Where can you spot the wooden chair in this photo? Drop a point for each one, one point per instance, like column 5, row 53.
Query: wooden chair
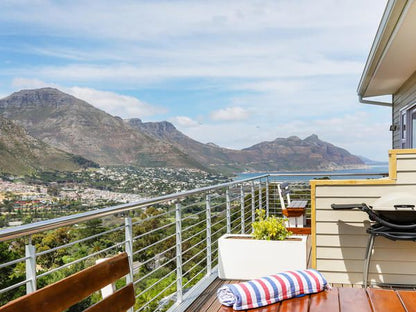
column 294, row 210
column 63, row 294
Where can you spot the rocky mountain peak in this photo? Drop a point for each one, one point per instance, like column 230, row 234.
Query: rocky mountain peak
column 312, row 139
column 294, row 138
column 213, row 145
column 159, row 129
column 37, row 98
column 134, row 121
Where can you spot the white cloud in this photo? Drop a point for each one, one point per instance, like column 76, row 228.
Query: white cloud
column 110, row 102
column 123, row 105
column 144, row 20
column 184, row 121
column 144, row 42
column 291, row 66
column 23, row 83
column 275, row 86
column 230, row 113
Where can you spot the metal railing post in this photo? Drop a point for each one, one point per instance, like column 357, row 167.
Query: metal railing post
column 242, row 209
column 129, row 250
column 30, row 252
column 228, row 208
column 253, row 203
column 267, row 196
column 129, row 246
column 179, row 292
column 260, row 197
column 209, row 251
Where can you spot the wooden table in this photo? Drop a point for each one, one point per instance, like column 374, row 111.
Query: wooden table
column 334, row 300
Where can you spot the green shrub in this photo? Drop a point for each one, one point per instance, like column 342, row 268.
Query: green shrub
column 271, row 228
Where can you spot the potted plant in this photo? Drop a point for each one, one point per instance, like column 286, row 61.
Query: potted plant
column 270, row 249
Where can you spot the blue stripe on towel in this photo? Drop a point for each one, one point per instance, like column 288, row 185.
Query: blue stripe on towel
column 256, row 291
column 276, row 291
column 295, row 283
column 236, row 293
column 307, row 279
column 292, row 284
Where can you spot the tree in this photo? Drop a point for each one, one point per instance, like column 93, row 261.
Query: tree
column 8, row 275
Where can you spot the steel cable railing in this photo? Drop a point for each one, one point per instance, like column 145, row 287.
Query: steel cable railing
column 171, row 246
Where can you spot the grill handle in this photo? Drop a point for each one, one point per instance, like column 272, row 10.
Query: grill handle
column 404, row 206
column 347, row 206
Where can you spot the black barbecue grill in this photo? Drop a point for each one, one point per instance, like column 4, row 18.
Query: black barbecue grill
column 393, row 217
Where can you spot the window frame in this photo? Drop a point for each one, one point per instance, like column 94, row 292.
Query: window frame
column 406, row 126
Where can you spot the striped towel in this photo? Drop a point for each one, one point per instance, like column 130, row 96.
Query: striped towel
column 271, row 289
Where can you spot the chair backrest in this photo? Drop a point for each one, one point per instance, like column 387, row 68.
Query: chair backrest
column 284, row 191
column 63, row 294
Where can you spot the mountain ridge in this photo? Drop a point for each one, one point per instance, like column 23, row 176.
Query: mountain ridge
column 77, row 127
column 312, row 152
column 21, row 153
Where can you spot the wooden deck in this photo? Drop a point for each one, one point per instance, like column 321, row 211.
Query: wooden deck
column 334, row 300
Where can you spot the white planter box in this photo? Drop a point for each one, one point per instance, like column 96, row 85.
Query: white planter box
column 246, row 258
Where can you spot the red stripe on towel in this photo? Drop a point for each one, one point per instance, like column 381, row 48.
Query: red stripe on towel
column 300, row 282
column 318, row 284
column 248, row 295
column 283, row 284
column 266, row 290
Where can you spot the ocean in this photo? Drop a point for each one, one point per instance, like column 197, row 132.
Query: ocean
column 367, row 173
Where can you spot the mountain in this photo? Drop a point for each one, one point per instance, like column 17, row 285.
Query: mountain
column 281, row 154
column 294, row 153
column 207, row 154
column 77, row 127
column 21, row 153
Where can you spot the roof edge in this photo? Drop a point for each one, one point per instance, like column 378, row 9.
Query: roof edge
column 384, row 34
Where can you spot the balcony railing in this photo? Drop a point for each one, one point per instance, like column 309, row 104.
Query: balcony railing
column 172, row 241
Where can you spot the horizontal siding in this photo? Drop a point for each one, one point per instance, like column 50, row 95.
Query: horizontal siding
column 380, row 254
column 360, row 241
column 341, row 236
column 406, row 168
column 376, row 267
column 324, row 203
column 357, row 278
column 343, row 254
column 406, row 164
column 371, row 191
column 344, row 215
column 406, row 177
column 406, row 95
column 340, row 228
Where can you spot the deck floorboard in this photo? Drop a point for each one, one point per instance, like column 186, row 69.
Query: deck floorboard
column 348, row 298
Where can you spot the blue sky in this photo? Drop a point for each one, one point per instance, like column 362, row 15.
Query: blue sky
column 230, row 72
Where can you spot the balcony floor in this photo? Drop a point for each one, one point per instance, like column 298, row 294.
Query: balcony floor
column 336, row 300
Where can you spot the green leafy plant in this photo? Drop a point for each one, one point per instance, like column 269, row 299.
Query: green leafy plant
column 270, row 228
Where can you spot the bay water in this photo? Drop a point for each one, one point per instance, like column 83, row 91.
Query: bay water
column 370, row 172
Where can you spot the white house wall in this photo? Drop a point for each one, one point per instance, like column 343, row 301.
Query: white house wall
column 340, row 237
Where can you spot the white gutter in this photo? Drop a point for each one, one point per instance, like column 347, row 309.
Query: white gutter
column 379, row 103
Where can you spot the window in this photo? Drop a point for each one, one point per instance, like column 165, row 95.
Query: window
column 408, row 127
